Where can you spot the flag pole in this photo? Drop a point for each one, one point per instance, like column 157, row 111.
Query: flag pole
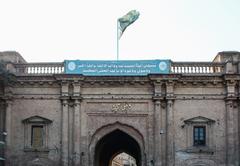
column 117, row 40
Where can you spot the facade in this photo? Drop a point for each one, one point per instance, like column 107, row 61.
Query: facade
column 189, row 117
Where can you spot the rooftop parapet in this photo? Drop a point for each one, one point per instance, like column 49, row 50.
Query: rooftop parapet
column 227, row 62
column 202, row 68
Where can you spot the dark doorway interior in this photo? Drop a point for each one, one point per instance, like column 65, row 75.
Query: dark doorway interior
column 114, row 143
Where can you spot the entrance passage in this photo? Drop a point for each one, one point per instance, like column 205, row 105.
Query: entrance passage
column 123, row 159
column 113, row 144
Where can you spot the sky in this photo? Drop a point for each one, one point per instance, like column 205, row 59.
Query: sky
column 180, row 30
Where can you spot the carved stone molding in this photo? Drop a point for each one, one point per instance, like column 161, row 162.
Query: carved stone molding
column 157, row 102
column 77, row 102
column 121, row 107
column 64, row 102
column 116, row 108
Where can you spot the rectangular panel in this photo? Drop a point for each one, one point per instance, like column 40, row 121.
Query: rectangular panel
column 117, row 68
column 117, row 107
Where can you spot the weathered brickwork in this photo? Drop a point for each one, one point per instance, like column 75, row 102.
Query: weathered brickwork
column 86, row 121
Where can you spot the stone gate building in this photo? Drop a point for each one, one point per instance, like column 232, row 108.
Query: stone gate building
column 188, row 117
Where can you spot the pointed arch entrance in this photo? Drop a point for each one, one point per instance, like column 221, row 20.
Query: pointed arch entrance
column 111, row 140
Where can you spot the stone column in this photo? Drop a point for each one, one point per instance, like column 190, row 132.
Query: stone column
column 163, row 134
column 231, row 123
column 8, row 125
column 77, row 132
column 157, row 131
column 159, row 126
column 231, row 135
column 170, row 133
column 65, row 148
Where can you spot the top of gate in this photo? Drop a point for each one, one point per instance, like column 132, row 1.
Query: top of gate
column 224, row 62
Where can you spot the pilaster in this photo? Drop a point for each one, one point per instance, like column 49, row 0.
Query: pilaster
column 232, row 147
column 8, row 124
column 77, row 132
column 170, row 132
column 157, row 132
column 231, row 134
column 159, row 140
column 65, row 128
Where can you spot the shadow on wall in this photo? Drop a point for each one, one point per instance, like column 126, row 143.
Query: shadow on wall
column 27, row 160
column 40, row 162
column 198, row 162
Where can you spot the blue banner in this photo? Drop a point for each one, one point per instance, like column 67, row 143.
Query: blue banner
column 117, row 68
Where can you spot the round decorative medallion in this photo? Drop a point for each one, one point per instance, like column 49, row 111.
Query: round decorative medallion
column 162, row 66
column 71, row 66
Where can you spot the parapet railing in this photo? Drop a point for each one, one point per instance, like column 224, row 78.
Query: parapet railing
column 39, row 68
column 197, row 68
column 175, row 68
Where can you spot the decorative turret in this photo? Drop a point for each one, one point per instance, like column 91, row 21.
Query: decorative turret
column 225, row 56
column 11, row 56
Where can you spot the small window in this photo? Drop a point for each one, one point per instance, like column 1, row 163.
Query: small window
column 37, row 137
column 199, row 135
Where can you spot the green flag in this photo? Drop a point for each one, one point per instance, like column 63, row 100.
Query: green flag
column 127, row 20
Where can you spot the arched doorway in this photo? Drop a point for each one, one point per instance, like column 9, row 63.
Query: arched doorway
column 115, row 143
column 113, row 139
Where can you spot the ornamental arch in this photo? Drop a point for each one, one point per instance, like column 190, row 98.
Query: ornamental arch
column 129, row 140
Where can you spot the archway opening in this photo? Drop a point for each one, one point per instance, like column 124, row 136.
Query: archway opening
column 123, row 159
column 113, row 144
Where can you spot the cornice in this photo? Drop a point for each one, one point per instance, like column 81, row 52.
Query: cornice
column 158, row 97
column 200, row 81
column 231, row 98
column 36, row 83
column 129, row 79
column 232, row 77
column 69, row 77
column 115, row 81
column 164, row 77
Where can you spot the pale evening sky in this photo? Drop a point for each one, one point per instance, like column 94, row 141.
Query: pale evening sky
column 180, row 30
